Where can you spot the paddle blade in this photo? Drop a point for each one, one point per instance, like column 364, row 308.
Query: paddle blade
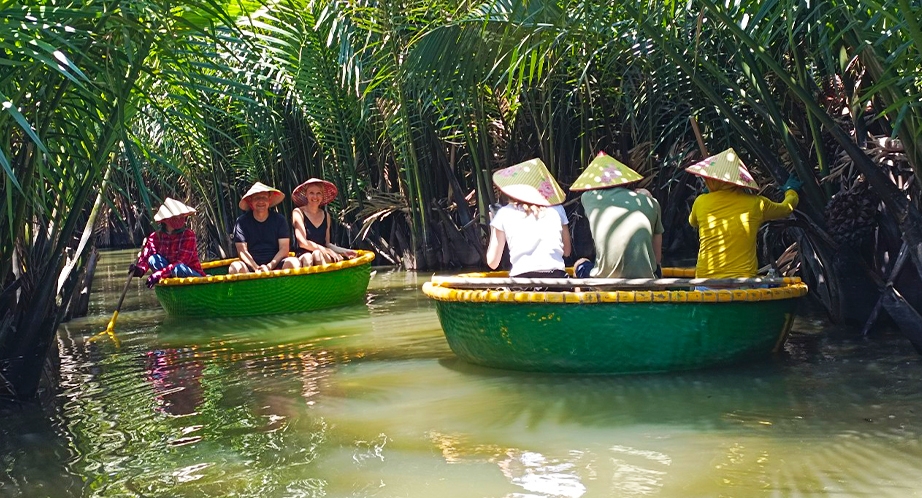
column 111, row 326
column 109, row 332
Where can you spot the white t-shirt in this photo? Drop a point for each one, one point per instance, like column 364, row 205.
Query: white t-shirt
column 535, row 243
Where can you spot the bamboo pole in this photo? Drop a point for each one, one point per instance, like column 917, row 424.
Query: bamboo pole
column 701, row 146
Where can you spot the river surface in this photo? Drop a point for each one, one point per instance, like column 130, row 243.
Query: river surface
column 369, row 401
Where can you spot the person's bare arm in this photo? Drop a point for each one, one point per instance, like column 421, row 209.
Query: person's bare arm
column 279, row 256
column 245, row 256
column 327, row 249
column 495, row 249
column 567, row 243
column 346, row 253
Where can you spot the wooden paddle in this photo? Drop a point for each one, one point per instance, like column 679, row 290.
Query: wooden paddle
column 701, row 146
column 110, row 329
column 610, row 283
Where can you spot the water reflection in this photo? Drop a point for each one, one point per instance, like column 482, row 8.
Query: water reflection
column 368, row 400
column 535, row 473
column 621, row 436
column 35, row 451
column 176, row 376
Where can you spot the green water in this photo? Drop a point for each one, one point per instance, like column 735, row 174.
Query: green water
column 369, row 401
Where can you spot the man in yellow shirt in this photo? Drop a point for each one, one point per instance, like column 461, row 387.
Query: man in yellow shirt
column 728, row 217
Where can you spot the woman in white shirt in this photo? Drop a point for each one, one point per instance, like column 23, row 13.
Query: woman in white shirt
column 533, row 224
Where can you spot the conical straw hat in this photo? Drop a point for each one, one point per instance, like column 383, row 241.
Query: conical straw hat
column 171, row 208
column 276, row 195
column 725, row 167
column 603, row 172
column 299, row 195
column 529, row 182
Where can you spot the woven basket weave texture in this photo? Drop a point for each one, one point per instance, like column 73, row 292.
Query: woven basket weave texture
column 613, row 338
column 267, row 296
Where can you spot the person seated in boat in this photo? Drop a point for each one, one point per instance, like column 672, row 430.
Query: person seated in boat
column 312, row 224
column 729, row 215
column 532, row 224
column 626, row 223
column 171, row 251
column 261, row 236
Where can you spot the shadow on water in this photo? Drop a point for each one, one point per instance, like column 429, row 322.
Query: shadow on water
column 35, row 436
column 832, row 415
column 826, row 378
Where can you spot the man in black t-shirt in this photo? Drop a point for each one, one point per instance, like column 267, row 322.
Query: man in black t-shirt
column 262, row 237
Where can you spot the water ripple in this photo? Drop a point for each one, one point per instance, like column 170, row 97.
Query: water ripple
column 368, row 400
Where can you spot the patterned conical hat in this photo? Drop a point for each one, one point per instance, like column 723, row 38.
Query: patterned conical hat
column 605, row 171
column 725, row 167
column 276, row 195
column 529, row 182
column 171, row 208
column 299, row 195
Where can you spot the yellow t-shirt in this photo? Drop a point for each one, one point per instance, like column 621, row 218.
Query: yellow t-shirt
column 728, row 224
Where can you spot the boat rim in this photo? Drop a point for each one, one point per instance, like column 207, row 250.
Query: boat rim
column 363, row 258
column 441, row 288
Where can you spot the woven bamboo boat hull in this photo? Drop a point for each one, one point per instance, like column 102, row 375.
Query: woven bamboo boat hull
column 615, row 331
column 275, row 292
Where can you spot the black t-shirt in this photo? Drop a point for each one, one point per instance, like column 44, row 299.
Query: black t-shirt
column 262, row 238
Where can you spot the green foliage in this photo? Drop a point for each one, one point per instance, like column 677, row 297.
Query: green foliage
column 87, row 87
column 409, row 106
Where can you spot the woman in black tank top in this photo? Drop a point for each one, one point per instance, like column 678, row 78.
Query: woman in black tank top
column 315, row 233
column 312, row 224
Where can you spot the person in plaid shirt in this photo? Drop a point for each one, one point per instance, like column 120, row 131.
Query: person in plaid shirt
column 171, row 251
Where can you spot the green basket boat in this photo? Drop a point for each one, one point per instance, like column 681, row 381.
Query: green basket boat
column 593, row 328
column 279, row 291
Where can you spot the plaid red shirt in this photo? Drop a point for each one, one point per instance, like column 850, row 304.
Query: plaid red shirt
column 175, row 247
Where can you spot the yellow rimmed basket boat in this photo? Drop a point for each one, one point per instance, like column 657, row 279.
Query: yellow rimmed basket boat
column 613, row 325
column 276, row 292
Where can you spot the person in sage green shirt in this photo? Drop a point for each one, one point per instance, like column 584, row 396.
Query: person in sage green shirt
column 626, row 224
